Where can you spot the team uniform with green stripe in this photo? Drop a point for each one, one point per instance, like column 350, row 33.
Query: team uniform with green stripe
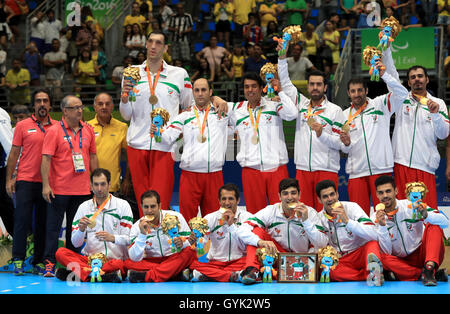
column 148, row 160
column 370, row 151
column 201, row 163
column 316, row 158
column 263, row 163
column 408, row 243
column 354, row 241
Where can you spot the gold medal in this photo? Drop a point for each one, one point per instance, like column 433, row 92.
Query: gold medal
column 255, row 139
column 92, row 224
column 345, row 128
column 310, row 121
column 201, row 138
column 153, row 99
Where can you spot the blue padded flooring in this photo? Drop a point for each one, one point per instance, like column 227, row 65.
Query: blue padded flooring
column 32, row 284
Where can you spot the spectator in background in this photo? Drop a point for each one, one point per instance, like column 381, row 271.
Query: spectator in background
column 331, row 38
column 237, row 61
column 127, row 32
column 180, row 27
column 252, row 32
column 327, row 8
column 348, row 16
column 255, row 61
column 296, row 11
column 63, row 40
column 55, row 65
column 298, row 65
column 3, row 56
column 268, row 11
column 204, row 70
column 444, row 14
column 38, row 31
column 223, row 12
column 242, row 9
column 33, row 61
column 5, row 32
column 136, row 17
column 145, row 7
column 364, row 8
column 84, row 37
column 226, row 72
column 18, row 84
column 52, row 28
column 136, row 41
column 429, row 10
column 447, row 70
column 117, row 73
column 3, row 99
column 99, row 57
column 269, row 45
column 13, row 18
column 141, row 57
column 86, row 71
column 311, row 43
column 164, row 13
column 213, row 54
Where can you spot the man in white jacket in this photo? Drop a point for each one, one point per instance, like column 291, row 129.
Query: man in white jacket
column 105, row 223
column 351, row 233
column 262, row 152
column 287, row 226
column 410, row 246
column 152, row 256
column 366, row 138
column 317, row 143
column 6, row 137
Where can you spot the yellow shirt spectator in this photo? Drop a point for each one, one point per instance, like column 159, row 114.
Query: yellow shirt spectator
column 110, row 140
column 18, row 95
column 243, row 8
column 220, row 12
column 311, row 44
column 267, row 13
column 441, row 3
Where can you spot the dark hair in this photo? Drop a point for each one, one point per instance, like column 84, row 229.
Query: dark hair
column 19, row 109
column 317, row 73
column 254, row 77
column 416, row 67
column 358, row 80
column 41, row 90
column 149, row 194
column 324, row 184
column 287, row 183
column 101, row 171
column 232, row 188
column 384, row 180
column 158, row 32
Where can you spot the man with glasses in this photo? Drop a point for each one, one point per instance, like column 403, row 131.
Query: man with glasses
column 68, row 156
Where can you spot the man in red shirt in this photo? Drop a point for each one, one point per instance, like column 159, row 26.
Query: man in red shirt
column 68, row 157
column 27, row 143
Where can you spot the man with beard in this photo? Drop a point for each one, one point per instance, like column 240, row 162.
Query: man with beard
column 27, row 143
column 410, row 247
column 365, row 134
column 317, row 144
column 421, row 122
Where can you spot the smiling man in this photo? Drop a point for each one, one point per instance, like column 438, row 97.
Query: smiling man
column 412, row 248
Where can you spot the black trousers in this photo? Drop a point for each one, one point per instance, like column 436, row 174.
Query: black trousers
column 60, row 205
column 6, row 204
column 30, row 207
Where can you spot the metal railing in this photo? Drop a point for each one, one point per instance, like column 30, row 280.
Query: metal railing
column 43, row 7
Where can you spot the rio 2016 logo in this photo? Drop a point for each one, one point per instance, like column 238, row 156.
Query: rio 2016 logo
column 73, row 17
column 374, row 17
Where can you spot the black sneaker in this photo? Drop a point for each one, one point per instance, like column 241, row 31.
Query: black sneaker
column 428, row 278
column 389, row 276
column 186, row 275
column 441, row 275
column 112, row 277
column 250, row 275
column 62, row 274
column 135, row 276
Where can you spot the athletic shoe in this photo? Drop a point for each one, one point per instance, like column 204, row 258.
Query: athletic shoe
column 250, row 275
column 235, row 276
column 62, row 274
column 113, row 277
column 186, row 275
column 428, row 277
column 375, row 268
column 135, row 276
column 389, row 276
column 38, row 269
column 441, row 275
column 49, row 269
column 18, row 267
column 198, row 276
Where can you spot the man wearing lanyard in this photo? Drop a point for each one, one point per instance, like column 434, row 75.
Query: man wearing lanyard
column 262, row 152
column 318, row 125
column 205, row 143
column 68, row 156
column 366, row 138
column 105, row 222
column 161, row 85
column 27, row 186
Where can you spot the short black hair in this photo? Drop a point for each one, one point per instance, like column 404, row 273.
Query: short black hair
column 287, row 183
column 149, row 194
column 101, row 171
column 41, row 90
column 317, row 73
column 254, row 77
column 357, row 80
column 157, row 32
column 384, row 180
column 324, row 184
column 416, row 67
column 231, row 187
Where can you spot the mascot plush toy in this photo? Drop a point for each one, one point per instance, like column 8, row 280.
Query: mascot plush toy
column 170, row 227
column 132, row 74
column 329, row 259
column 160, row 117
column 199, row 227
column 390, row 28
column 96, row 262
column 266, row 260
column 371, row 56
column 291, row 34
column 415, row 193
column 268, row 72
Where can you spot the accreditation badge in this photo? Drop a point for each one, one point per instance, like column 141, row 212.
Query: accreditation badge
column 78, row 162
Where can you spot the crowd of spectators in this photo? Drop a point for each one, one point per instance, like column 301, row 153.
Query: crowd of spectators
column 240, row 40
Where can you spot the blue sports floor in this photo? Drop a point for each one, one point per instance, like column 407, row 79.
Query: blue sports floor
column 32, row 284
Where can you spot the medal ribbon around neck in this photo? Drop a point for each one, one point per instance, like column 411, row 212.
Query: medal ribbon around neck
column 252, row 120
column 309, row 115
column 422, row 99
column 99, row 208
column 201, row 127
column 351, row 116
column 151, row 85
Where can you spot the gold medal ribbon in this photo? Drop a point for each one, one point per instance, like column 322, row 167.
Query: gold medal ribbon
column 252, row 120
column 313, row 114
column 351, row 116
column 99, row 208
column 151, row 85
column 201, row 127
column 422, row 99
